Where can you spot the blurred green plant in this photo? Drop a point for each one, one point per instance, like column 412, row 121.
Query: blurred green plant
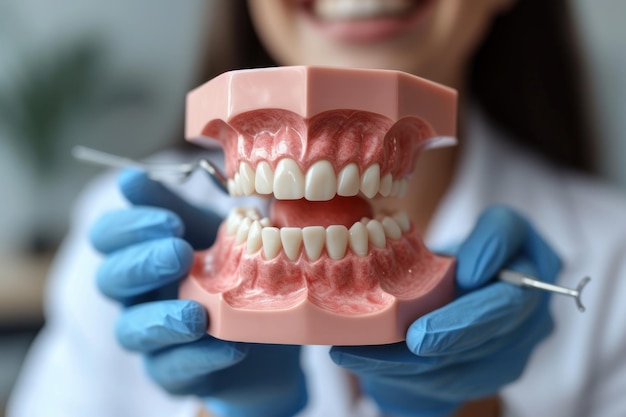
column 60, row 83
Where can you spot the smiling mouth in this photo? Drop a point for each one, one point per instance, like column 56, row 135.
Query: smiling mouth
column 321, row 142
column 333, row 10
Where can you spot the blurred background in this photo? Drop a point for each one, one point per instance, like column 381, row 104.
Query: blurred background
column 113, row 75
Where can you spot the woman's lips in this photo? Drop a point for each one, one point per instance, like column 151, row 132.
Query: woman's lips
column 362, row 21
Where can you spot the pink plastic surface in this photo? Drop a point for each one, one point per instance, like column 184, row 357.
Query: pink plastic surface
column 307, row 292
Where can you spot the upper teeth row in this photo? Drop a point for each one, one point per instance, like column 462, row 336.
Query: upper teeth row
column 359, row 9
column 259, row 234
column 320, row 183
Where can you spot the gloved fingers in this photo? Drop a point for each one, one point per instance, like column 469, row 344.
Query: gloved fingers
column 153, row 326
column 475, row 318
column 201, row 225
column 500, row 235
column 144, row 267
column 121, row 228
column 188, row 367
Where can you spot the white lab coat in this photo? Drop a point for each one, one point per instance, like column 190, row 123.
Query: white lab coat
column 76, row 369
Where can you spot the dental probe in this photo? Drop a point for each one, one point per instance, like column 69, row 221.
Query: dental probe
column 523, row 280
column 157, row 172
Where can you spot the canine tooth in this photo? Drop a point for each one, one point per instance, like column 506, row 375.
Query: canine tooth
column 320, row 182
column 242, row 231
column 336, row 241
column 254, row 242
column 392, row 229
column 376, row 233
column 313, row 237
column 246, row 176
column 270, row 236
column 403, row 220
column 288, row 180
column 370, row 181
column 348, row 181
column 291, row 237
column 385, row 185
column 237, row 181
column 358, row 239
column 264, row 178
column 233, row 221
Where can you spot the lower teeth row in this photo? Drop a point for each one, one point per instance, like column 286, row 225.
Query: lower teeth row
column 259, row 234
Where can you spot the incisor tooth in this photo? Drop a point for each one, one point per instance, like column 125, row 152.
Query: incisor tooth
column 385, row 185
column 246, row 176
column 264, row 178
column 254, row 242
column 270, row 236
column 321, row 182
column 358, row 239
column 403, row 220
column 291, row 238
column 313, row 237
column 392, row 230
column 336, row 241
column 348, row 181
column 376, row 233
column 288, row 180
column 370, row 181
column 242, row 232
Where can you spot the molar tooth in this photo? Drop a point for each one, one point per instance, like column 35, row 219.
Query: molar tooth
column 321, row 182
column 385, row 185
column 403, row 220
column 264, row 178
column 336, row 241
column 291, row 238
column 313, row 237
column 252, row 213
column 392, row 229
column 254, row 242
column 348, row 181
column 370, row 181
column 358, row 239
column 376, row 233
column 270, row 236
column 246, row 176
column 242, row 232
column 288, row 180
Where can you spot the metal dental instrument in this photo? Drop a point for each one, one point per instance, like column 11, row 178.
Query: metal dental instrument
column 523, row 280
column 158, row 172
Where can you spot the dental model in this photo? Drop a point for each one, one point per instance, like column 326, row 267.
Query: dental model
column 323, row 268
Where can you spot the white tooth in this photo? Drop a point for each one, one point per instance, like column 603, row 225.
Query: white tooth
column 358, row 239
column 265, row 222
column 336, row 241
column 370, row 181
column 288, row 180
column 385, row 185
column 348, row 181
column 254, row 242
column 321, row 182
column 242, row 232
column 271, row 242
column 403, row 220
column 392, row 230
column 376, row 233
column 264, row 178
column 252, row 213
column 365, row 220
column 237, row 181
column 404, row 185
column 313, row 237
column 246, row 176
column 230, row 184
column 395, row 188
column 233, row 221
column 291, row 237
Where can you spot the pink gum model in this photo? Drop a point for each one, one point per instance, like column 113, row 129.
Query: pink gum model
column 323, row 268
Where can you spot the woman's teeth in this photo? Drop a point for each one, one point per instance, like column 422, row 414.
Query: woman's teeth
column 258, row 233
column 360, row 9
column 319, row 183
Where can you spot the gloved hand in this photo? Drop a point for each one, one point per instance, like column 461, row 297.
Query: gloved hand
column 476, row 344
column 149, row 248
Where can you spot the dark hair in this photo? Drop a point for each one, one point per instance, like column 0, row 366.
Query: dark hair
column 526, row 76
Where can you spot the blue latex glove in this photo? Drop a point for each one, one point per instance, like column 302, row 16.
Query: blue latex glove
column 148, row 249
column 478, row 343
